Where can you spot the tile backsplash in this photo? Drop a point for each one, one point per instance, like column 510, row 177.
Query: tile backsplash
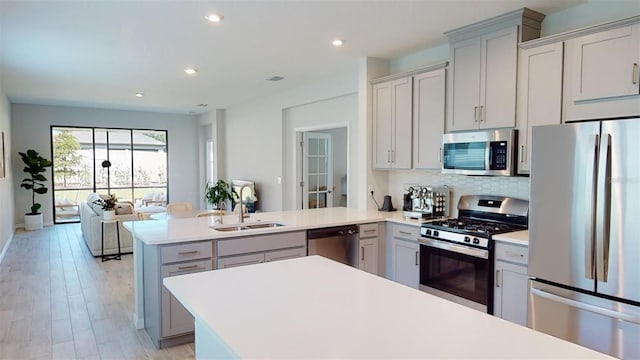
column 399, row 180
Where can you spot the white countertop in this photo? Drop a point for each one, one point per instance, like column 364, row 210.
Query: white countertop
column 157, row 232
column 313, row 307
column 516, row 237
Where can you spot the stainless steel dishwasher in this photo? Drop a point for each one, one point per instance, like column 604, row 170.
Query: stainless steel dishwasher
column 339, row 243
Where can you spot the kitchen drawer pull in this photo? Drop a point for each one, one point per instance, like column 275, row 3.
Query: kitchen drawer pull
column 497, row 278
column 521, row 153
column 440, row 155
column 481, row 113
column 188, row 267
column 362, row 249
column 475, row 114
column 370, row 230
column 635, row 74
column 513, row 254
column 404, row 232
column 188, row 252
column 417, row 257
column 388, row 156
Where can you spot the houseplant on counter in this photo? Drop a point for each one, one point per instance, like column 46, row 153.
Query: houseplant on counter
column 218, row 194
column 36, row 165
column 108, row 205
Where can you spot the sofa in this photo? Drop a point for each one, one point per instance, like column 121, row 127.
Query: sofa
column 90, row 216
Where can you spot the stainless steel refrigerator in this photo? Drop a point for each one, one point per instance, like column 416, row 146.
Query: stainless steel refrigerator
column 584, row 229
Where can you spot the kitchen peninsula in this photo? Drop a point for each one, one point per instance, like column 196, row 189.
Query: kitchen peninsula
column 179, row 246
column 313, row 307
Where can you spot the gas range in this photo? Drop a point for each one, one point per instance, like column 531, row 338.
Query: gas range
column 456, row 255
column 480, row 217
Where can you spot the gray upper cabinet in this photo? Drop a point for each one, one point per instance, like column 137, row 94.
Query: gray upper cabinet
column 602, row 76
column 428, row 118
column 392, row 124
column 539, row 94
column 483, row 62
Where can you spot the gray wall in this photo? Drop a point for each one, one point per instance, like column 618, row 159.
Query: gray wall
column 6, row 183
column 31, row 130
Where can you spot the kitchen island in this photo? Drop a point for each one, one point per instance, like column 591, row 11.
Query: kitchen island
column 313, row 307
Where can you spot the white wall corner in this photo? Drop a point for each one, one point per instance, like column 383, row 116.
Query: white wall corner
column 6, row 246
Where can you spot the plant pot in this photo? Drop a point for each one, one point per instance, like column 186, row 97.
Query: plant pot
column 32, row 222
column 108, row 215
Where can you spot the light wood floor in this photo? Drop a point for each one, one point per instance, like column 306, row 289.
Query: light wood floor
column 59, row 302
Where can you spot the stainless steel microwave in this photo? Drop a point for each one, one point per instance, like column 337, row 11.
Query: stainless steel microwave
column 487, row 152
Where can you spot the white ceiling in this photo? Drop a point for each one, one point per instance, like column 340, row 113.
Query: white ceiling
column 100, row 53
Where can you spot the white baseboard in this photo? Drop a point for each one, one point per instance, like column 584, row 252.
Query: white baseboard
column 6, row 247
column 21, row 226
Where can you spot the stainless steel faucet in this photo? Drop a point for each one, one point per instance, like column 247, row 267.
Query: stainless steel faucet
column 240, row 210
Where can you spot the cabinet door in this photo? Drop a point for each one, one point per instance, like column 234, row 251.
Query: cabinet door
column 401, row 126
column 605, row 64
column 175, row 318
column 464, row 85
column 499, row 62
column 368, row 260
column 405, row 260
column 428, row 119
column 382, row 122
column 511, row 292
column 285, row 254
column 240, row 260
column 539, row 95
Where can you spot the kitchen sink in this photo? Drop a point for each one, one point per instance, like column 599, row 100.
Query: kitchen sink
column 248, row 226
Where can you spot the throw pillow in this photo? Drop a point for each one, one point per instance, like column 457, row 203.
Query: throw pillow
column 123, row 208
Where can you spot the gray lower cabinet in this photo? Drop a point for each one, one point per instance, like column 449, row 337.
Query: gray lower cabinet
column 167, row 322
column 511, row 285
column 405, row 255
column 260, row 248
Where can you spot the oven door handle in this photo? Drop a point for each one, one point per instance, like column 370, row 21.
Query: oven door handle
column 479, row 253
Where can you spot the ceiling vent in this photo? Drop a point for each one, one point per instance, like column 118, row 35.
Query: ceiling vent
column 202, row 105
column 275, row 78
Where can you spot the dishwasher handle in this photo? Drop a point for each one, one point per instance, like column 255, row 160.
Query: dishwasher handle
column 347, row 230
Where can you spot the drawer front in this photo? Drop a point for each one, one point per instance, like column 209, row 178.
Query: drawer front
column 368, row 230
column 186, row 268
column 411, row 233
column 185, row 252
column 285, row 254
column 261, row 243
column 512, row 253
column 240, row 260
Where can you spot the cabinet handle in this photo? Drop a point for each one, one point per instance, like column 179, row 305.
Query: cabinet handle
column 404, row 232
column 497, row 278
column 481, row 113
column 635, row 74
column 388, row 156
column 521, row 153
column 370, row 230
column 513, row 254
column 362, row 249
column 393, row 156
column 188, row 252
column 188, row 267
column 475, row 114
column 440, row 155
column 417, row 257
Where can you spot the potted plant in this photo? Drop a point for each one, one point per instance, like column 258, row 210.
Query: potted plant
column 108, row 205
column 36, row 165
column 218, row 194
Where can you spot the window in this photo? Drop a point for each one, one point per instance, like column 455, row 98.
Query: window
column 131, row 164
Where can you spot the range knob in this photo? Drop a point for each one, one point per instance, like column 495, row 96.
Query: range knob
column 436, row 233
column 467, row 239
column 476, row 241
column 428, row 232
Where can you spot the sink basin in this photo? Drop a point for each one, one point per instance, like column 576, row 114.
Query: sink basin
column 247, row 226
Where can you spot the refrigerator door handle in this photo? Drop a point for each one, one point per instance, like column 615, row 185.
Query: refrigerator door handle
column 584, row 306
column 603, row 208
column 590, row 196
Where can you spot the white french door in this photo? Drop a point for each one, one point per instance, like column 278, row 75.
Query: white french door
column 317, row 170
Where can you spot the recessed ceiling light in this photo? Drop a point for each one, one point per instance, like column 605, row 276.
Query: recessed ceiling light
column 337, row 42
column 190, row 71
column 139, row 94
column 274, row 78
column 214, row 18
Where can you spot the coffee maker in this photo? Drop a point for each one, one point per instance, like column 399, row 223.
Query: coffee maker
column 426, row 202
